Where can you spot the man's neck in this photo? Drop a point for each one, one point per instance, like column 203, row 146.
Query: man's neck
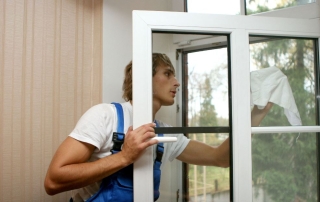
column 156, row 108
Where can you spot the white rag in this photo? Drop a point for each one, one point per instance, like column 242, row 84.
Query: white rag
column 271, row 85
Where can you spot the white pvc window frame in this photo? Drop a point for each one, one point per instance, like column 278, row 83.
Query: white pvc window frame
column 239, row 28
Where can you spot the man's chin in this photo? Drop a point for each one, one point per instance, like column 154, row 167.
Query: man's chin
column 168, row 103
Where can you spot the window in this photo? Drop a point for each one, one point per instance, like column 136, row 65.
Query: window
column 238, row 29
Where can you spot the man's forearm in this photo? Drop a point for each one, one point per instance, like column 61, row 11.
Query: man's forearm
column 75, row 176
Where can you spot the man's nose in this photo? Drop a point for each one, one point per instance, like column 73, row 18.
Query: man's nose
column 177, row 84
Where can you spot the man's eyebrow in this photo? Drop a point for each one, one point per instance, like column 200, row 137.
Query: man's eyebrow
column 171, row 71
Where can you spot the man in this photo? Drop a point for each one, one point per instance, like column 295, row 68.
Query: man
column 84, row 159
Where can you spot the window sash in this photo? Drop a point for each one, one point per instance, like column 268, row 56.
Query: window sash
column 238, row 28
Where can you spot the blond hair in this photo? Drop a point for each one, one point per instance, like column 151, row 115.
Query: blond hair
column 157, row 59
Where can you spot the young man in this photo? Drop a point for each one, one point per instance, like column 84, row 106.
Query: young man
column 84, row 159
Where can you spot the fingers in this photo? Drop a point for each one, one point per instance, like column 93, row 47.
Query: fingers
column 144, row 132
column 146, row 127
column 141, row 135
column 136, row 141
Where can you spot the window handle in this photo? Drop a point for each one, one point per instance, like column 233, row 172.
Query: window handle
column 166, row 139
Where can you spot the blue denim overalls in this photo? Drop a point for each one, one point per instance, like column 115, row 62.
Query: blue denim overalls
column 118, row 187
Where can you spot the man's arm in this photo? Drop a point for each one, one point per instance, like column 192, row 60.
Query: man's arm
column 69, row 168
column 199, row 153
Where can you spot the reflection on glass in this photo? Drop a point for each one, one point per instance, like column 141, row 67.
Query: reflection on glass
column 231, row 7
column 284, row 167
column 205, row 104
column 207, row 93
column 259, row 6
column 209, row 183
column 295, row 58
column 208, row 88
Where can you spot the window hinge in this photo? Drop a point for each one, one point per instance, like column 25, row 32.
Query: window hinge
column 177, row 195
column 177, row 53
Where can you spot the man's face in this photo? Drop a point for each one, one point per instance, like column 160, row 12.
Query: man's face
column 164, row 85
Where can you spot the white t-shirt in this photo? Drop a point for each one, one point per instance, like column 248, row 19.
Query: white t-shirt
column 96, row 127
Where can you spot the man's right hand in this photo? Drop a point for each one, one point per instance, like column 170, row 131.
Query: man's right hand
column 136, row 141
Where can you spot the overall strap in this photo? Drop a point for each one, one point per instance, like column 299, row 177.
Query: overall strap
column 156, row 167
column 118, row 137
column 160, row 147
column 120, row 127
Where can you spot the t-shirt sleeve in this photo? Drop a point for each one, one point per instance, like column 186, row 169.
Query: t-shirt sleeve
column 174, row 149
column 177, row 147
column 95, row 126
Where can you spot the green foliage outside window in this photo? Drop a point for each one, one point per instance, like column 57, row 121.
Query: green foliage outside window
column 285, row 165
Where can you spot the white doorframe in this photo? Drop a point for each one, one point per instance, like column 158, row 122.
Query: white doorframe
column 239, row 28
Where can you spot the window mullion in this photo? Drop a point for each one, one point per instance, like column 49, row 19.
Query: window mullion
column 241, row 124
column 142, row 57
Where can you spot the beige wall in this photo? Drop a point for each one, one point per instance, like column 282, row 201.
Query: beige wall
column 50, row 73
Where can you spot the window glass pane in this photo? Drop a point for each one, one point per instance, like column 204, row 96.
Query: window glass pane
column 204, row 105
column 208, row 88
column 259, row 6
column 284, row 167
column 207, row 95
column 295, row 60
column 209, row 183
column 231, row 7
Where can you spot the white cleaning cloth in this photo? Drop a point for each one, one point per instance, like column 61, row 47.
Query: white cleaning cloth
column 271, row 85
